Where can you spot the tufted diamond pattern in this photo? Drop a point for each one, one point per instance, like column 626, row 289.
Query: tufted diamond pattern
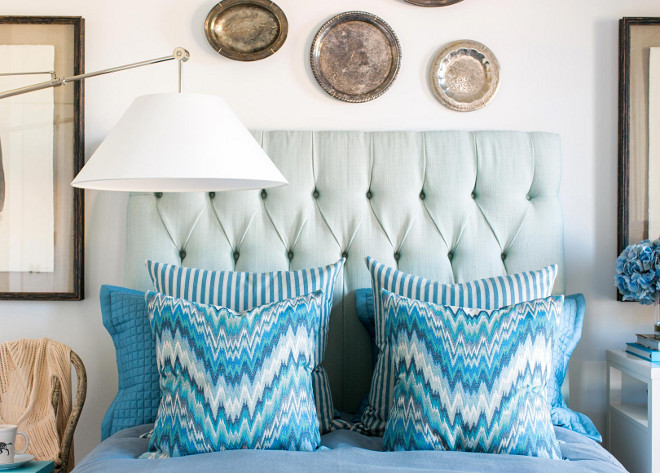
column 446, row 205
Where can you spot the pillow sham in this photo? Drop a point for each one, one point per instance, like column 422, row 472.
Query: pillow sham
column 126, row 319
column 566, row 339
column 491, row 293
column 244, row 291
column 568, row 336
column 235, row 380
column 471, row 379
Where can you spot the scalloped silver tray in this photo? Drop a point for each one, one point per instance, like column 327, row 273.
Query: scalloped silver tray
column 246, row 30
column 465, row 75
column 355, row 56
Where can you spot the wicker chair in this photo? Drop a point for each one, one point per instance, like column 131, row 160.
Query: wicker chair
column 66, row 444
column 65, row 454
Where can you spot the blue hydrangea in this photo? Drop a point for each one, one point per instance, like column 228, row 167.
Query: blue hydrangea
column 638, row 272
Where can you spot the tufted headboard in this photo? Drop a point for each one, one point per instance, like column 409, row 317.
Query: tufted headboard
column 447, row 205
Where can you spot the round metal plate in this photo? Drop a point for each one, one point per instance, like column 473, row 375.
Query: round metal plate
column 246, row 30
column 355, row 56
column 433, row 3
column 465, row 75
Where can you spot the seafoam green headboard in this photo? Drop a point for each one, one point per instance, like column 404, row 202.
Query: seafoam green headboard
column 447, row 205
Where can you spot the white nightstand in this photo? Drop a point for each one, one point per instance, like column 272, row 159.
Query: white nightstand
column 633, row 412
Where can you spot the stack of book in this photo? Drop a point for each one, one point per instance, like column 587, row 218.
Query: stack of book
column 647, row 347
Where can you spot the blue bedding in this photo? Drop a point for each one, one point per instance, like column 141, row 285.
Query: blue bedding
column 344, row 451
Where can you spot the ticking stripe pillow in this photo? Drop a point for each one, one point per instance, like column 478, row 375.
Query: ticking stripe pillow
column 471, row 380
column 245, row 291
column 491, row 293
column 234, row 380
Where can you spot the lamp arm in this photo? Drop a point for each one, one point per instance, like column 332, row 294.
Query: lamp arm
column 179, row 54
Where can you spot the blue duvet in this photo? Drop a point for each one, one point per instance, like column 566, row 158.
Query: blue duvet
column 344, row 451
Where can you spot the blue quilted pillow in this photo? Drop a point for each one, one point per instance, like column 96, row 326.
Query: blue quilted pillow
column 138, row 395
column 235, row 380
column 241, row 291
column 471, row 380
column 567, row 337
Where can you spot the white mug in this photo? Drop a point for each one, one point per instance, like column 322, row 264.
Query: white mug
column 8, row 434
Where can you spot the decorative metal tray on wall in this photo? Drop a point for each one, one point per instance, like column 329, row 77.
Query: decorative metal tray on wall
column 465, row 75
column 433, row 3
column 246, row 30
column 355, row 56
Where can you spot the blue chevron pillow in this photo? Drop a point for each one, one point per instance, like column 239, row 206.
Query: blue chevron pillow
column 234, row 380
column 243, row 291
column 566, row 339
column 471, row 379
column 491, row 293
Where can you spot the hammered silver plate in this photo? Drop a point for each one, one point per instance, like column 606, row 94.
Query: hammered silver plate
column 246, row 30
column 433, row 3
column 465, row 75
column 355, row 56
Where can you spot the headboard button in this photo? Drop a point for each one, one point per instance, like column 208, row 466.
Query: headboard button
column 450, row 255
column 316, row 194
column 369, row 194
column 211, row 195
column 397, row 256
column 264, row 194
column 158, row 195
column 290, row 255
column 422, row 195
column 344, row 254
column 503, row 256
column 528, row 197
column 182, row 254
column 473, row 195
column 236, row 255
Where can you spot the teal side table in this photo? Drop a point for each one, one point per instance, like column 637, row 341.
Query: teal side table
column 35, row 467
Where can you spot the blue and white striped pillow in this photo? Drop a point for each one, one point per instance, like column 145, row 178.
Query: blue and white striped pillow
column 234, row 380
column 491, row 293
column 471, row 380
column 244, row 291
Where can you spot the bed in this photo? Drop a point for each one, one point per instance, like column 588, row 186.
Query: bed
column 451, row 206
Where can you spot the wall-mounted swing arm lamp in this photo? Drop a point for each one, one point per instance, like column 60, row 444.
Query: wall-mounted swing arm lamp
column 179, row 54
column 172, row 143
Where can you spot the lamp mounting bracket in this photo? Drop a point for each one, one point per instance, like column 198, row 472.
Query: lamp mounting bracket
column 181, row 54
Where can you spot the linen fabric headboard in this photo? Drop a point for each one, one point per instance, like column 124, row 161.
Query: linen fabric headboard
column 447, row 205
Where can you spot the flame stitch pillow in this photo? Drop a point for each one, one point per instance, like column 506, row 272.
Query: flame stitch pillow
column 471, row 379
column 241, row 291
column 234, row 380
column 490, row 293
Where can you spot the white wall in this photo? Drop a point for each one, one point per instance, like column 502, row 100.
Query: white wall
column 559, row 73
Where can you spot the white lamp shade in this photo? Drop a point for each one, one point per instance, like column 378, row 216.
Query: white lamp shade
column 179, row 143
